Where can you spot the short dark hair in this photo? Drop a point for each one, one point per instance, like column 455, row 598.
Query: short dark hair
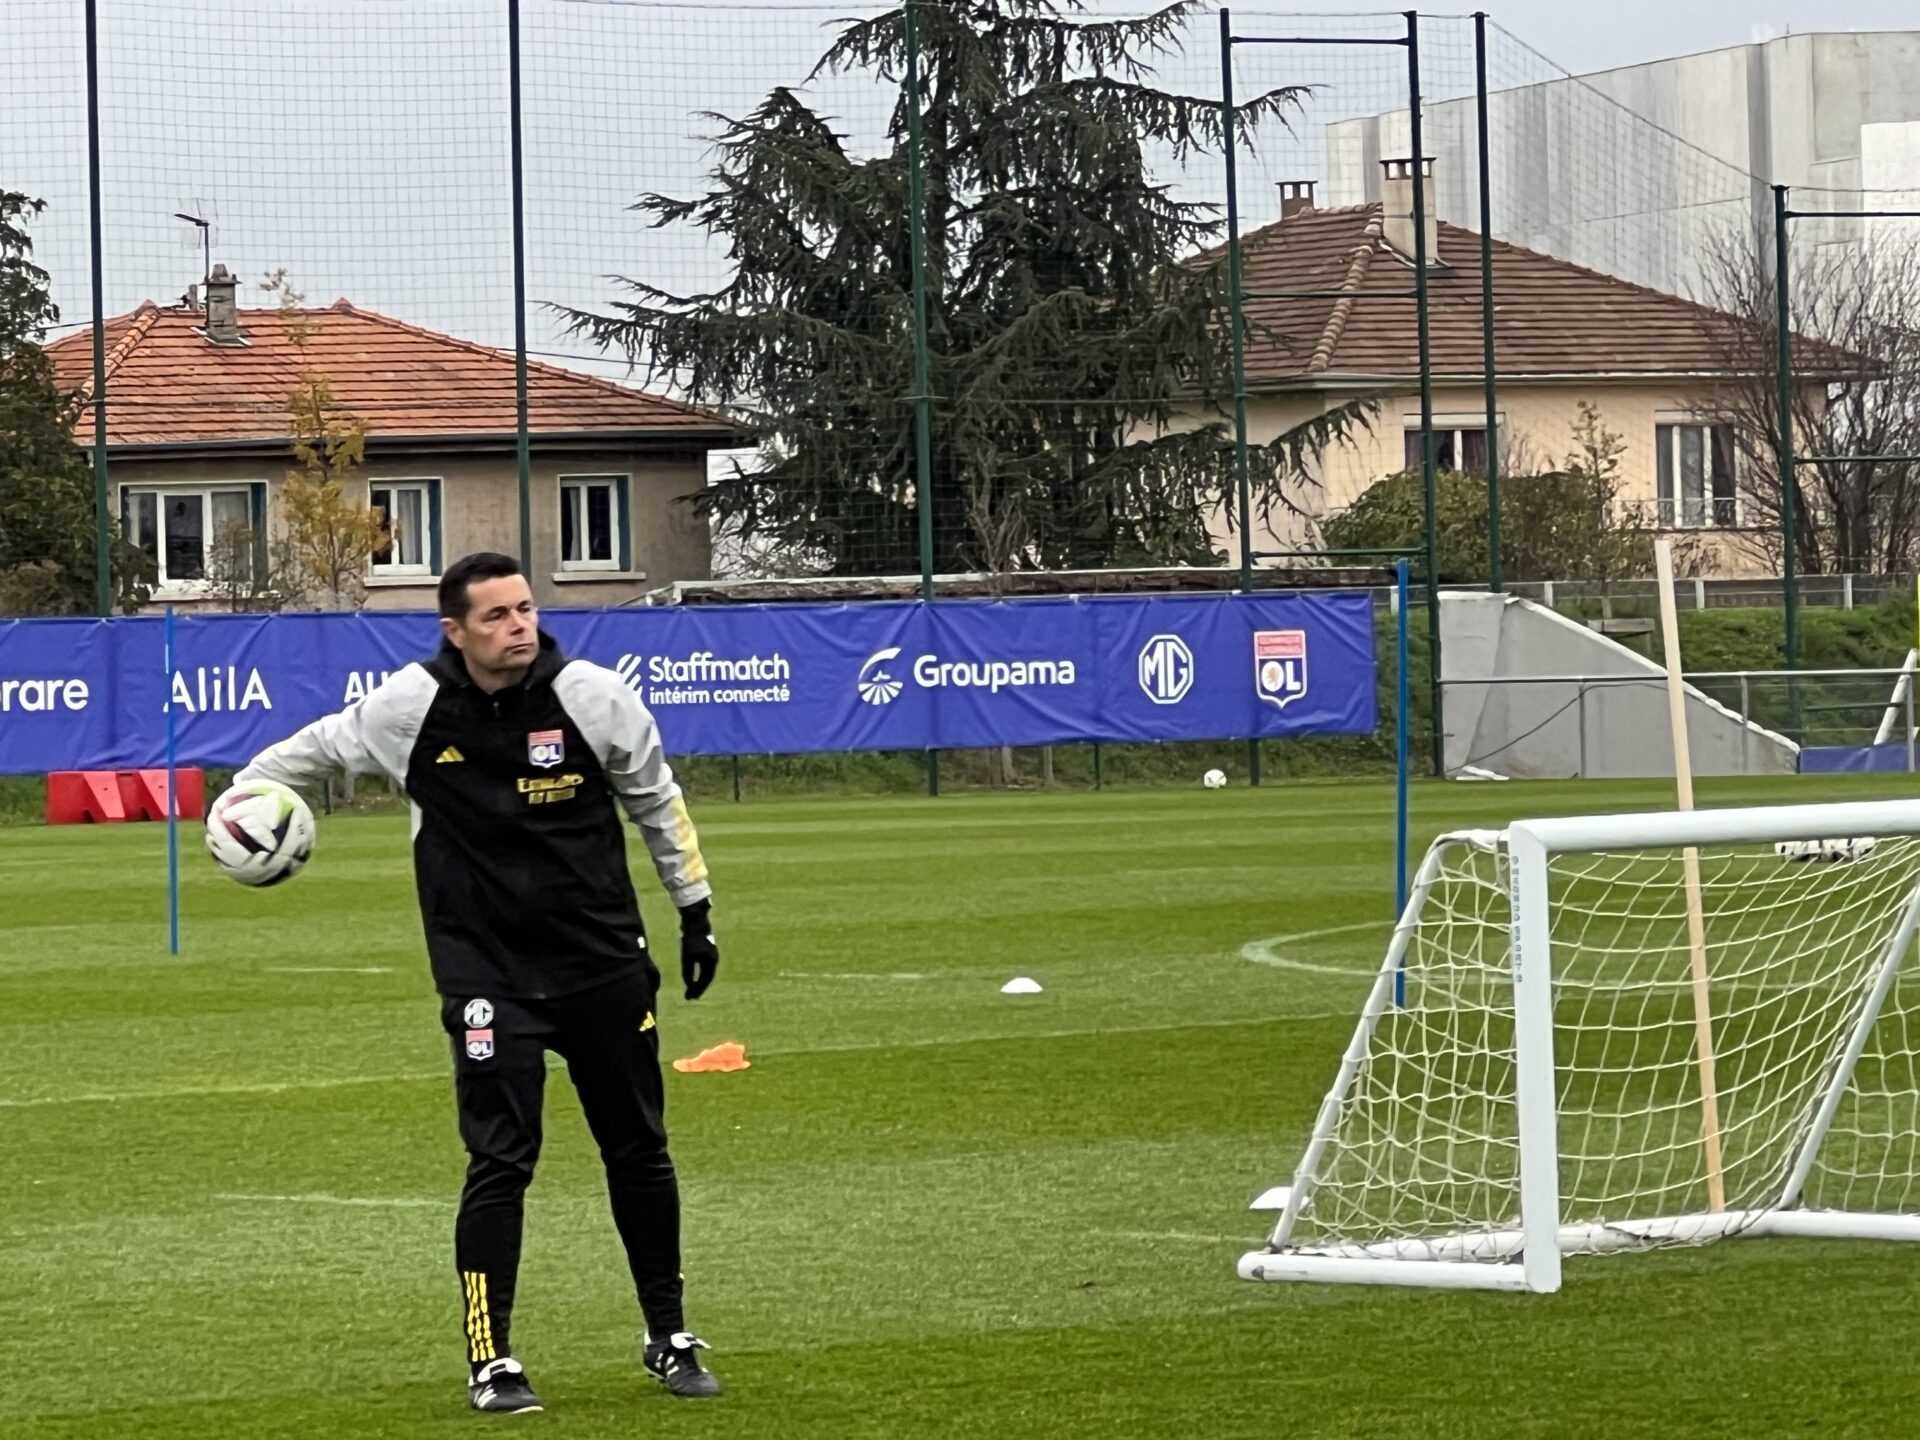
column 481, row 565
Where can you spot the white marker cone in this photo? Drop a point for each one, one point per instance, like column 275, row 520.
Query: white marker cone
column 1020, row 985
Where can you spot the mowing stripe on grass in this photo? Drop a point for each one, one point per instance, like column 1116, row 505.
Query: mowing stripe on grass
column 275, row 1087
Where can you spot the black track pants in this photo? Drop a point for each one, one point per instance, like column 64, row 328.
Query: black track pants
column 608, row 1039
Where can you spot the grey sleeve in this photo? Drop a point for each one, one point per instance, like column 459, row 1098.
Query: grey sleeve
column 622, row 734
column 372, row 737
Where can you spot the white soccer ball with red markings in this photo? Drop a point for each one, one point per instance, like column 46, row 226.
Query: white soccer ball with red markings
column 260, row 833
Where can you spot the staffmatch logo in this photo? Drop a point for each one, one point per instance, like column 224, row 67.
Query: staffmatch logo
column 1166, row 669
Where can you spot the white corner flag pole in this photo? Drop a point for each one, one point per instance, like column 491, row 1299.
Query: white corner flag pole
column 1690, row 861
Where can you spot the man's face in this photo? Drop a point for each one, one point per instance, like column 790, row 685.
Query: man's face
column 501, row 630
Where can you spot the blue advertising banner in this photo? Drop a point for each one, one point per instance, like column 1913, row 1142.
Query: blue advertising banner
column 91, row 694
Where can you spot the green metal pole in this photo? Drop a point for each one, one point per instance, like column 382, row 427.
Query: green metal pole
column 1494, row 582
column 523, row 445
column 102, row 522
column 1429, row 482
column 1243, row 481
column 1237, row 327
column 1783, row 440
column 1783, row 450
column 922, row 351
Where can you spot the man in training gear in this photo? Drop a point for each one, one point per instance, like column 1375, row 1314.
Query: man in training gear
column 517, row 762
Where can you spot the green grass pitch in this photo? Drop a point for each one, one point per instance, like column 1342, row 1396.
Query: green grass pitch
column 929, row 1210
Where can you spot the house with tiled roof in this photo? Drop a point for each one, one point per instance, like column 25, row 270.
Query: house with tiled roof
column 197, row 442
column 1649, row 363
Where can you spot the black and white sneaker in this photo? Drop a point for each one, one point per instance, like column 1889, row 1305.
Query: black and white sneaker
column 675, row 1363
column 500, row 1386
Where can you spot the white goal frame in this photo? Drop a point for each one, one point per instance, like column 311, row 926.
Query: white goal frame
column 1460, row 1261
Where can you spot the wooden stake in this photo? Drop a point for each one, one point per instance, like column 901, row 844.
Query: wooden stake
column 1690, row 863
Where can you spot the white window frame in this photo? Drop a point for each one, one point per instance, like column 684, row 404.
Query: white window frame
column 616, row 485
column 1456, row 425
column 166, row 585
column 1669, row 511
column 428, row 487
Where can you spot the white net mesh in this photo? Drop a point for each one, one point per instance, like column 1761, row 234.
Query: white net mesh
column 1423, row 1142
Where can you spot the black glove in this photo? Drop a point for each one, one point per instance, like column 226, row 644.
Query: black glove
column 699, row 956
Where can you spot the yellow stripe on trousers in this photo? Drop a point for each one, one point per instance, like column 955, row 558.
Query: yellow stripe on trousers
column 479, row 1322
column 486, row 1317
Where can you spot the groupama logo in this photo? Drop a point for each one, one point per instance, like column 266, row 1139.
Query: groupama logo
column 878, row 684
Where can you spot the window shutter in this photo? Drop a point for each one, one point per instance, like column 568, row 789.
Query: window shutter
column 257, row 508
column 623, row 523
column 434, row 561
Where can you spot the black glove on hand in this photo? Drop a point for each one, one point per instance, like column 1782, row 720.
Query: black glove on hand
column 699, row 956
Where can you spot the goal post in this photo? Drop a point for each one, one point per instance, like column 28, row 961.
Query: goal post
column 1524, row 1080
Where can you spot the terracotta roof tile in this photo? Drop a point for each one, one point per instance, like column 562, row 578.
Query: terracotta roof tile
column 168, row 385
column 1551, row 317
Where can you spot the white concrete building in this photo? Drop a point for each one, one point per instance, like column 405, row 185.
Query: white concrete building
column 1627, row 170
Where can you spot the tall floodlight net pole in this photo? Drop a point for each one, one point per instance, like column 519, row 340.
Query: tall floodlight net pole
column 1488, row 367
column 1243, row 485
column 1429, row 480
column 1237, row 328
column 1783, row 448
column 102, row 522
column 523, row 444
column 922, row 356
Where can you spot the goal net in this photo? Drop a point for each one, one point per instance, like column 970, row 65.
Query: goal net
column 1562, row 1054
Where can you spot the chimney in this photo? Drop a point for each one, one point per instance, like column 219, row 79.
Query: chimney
column 223, row 318
column 1296, row 198
column 1396, row 208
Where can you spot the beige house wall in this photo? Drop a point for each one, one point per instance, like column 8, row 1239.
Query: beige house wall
column 1538, row 420
column 480, row 510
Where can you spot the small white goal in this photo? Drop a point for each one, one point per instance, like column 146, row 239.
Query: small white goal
column 1616, row 1032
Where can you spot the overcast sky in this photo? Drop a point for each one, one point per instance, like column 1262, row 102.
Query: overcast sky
column 362, row 143
column 1585, row 35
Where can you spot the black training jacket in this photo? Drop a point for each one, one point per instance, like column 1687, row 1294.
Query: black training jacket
column 517, row 846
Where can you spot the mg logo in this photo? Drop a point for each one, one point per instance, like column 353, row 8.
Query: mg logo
column 1166, row 669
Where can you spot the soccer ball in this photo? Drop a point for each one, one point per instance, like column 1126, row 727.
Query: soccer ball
column 260, row 833
column 1858, row 847
column 1214, row 779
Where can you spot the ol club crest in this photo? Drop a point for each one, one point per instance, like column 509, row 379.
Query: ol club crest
column 546, row 748
column 1280, row 666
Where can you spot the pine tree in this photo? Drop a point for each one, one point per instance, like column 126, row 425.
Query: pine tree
column 1075, row 328
column 46, row 489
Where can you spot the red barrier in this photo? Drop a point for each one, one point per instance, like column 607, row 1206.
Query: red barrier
column 79, row 797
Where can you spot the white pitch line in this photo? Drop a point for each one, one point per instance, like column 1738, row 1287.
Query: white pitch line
column 329, row 969
column 1184, row 1237
column 851, row 975
column 398, row 1204
column 1267, row 951
column 203, row 1092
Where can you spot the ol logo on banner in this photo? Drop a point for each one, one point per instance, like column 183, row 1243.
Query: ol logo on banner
column 547, row 748
column 1280, row 665
column 1166, row 669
